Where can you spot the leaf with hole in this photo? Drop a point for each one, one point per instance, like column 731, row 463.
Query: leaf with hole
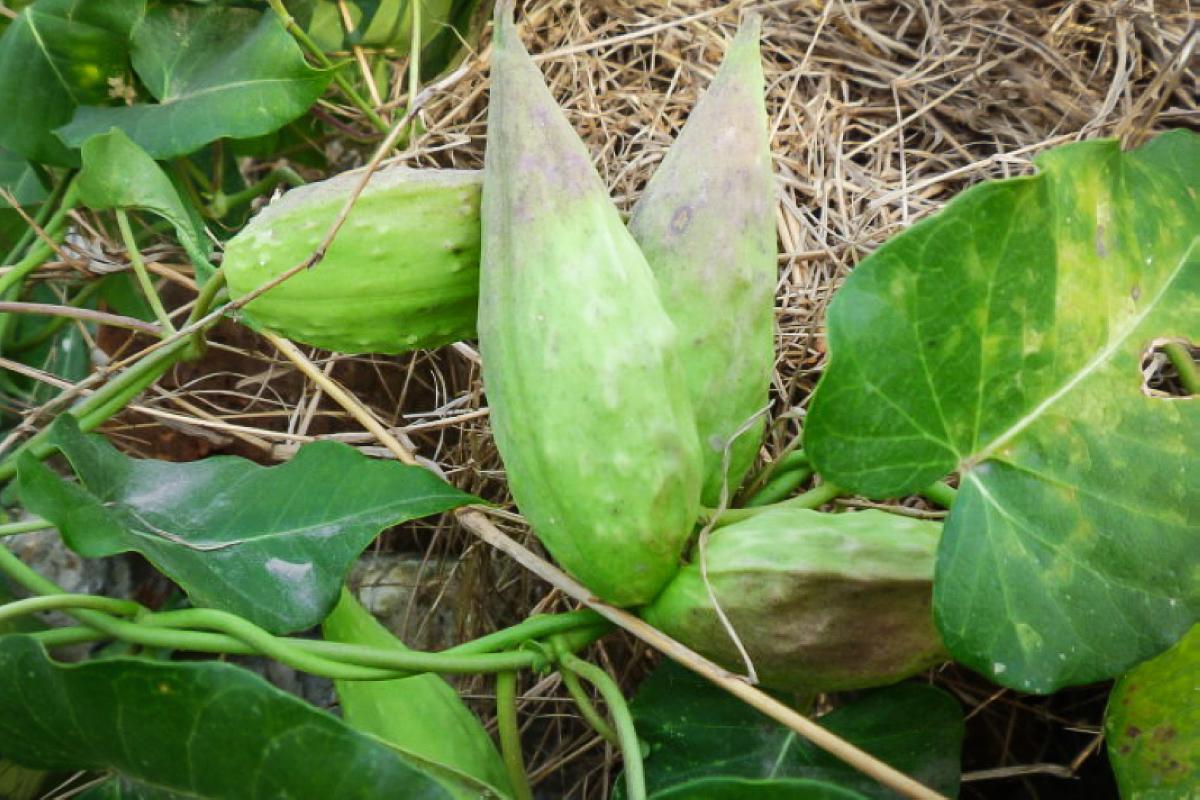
column 1003, row 338
column 272, row 544
column 196, row 730
column 696, row 731
column 56, row 56
column 216, row 72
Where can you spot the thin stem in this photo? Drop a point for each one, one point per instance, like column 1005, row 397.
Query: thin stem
column 791, row 457
column 539, row 627
column 1185, row 365
column 55, row 229
column 590, row 714
column 510, row 735
column 779, row 487
column 106, row 401
column 223, row 204
column 414, row 62
column 52, row 204
column 941, row 493
column 47, row 331
column 813, row 498
column 67, row 602
column 139, row 269
column 24, row 526
column 631, row 751
column 283, row 649
column 316, row 52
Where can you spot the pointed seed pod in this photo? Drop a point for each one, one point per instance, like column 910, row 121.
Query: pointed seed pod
column 821, row 602
column 706, row 225
column 402, row 273
column 587, row 399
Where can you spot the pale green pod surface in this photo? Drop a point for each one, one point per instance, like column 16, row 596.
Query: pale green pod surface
column 402, row 272
column 422, row 716
column 587, row 399
column 706, row 225
column 822, row 602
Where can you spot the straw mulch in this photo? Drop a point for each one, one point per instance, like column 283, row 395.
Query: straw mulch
column 882, row 111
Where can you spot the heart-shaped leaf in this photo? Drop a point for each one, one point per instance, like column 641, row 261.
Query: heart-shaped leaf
column 1004, row 338
column 57, row 55
column 195, row 730
column 272, row 544
column 216, row 71
column 1153, row 724
column 696, row 731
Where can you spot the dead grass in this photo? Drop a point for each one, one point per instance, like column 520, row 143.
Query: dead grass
column 882, row 110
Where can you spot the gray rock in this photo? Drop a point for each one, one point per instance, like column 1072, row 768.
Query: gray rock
column 412, row 597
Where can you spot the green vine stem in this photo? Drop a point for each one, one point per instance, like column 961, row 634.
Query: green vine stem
column 941, row 493
column 780, row 486
column 106, row 401
column 790, row 458
column 235, row 635
column 813, row 498
column 24, row 526
column 510, row 735
column 55, row 228
column 222, row 203
column 67, row 602
column 51, row 206
column 1185, row 365
column 316, row 52
column 143, row 277
column 631, row 751
column 590, row 715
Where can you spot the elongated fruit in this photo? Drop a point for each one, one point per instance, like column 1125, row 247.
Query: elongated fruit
column 706, row 225
column 587, row 399
column 421, row 716
column 821, row 602
column 402, row 273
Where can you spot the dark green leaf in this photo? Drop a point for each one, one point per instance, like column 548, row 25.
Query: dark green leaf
column 695, row 730
column 422, row 715
column 54, row 345
column 1153, row 725
column 216, row 72
column 1003, row 338
column 57, row 55
column 271, row 544
column 18, row 177
column 200, row 730
column 118, row 174
column 769, row 789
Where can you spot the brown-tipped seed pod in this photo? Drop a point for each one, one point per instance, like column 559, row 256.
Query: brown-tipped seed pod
column 587, row 398
column 706, row 225
column 821, row 602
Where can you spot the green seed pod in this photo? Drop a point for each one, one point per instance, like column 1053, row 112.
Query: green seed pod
column 706, row 225
column 586, row 395
column 402, row 273
column 821, row 602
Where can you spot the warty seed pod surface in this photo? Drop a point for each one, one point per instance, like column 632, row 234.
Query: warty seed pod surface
column 587, row 397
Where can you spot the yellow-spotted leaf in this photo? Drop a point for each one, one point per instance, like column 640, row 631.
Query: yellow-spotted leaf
column 1004, row 339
